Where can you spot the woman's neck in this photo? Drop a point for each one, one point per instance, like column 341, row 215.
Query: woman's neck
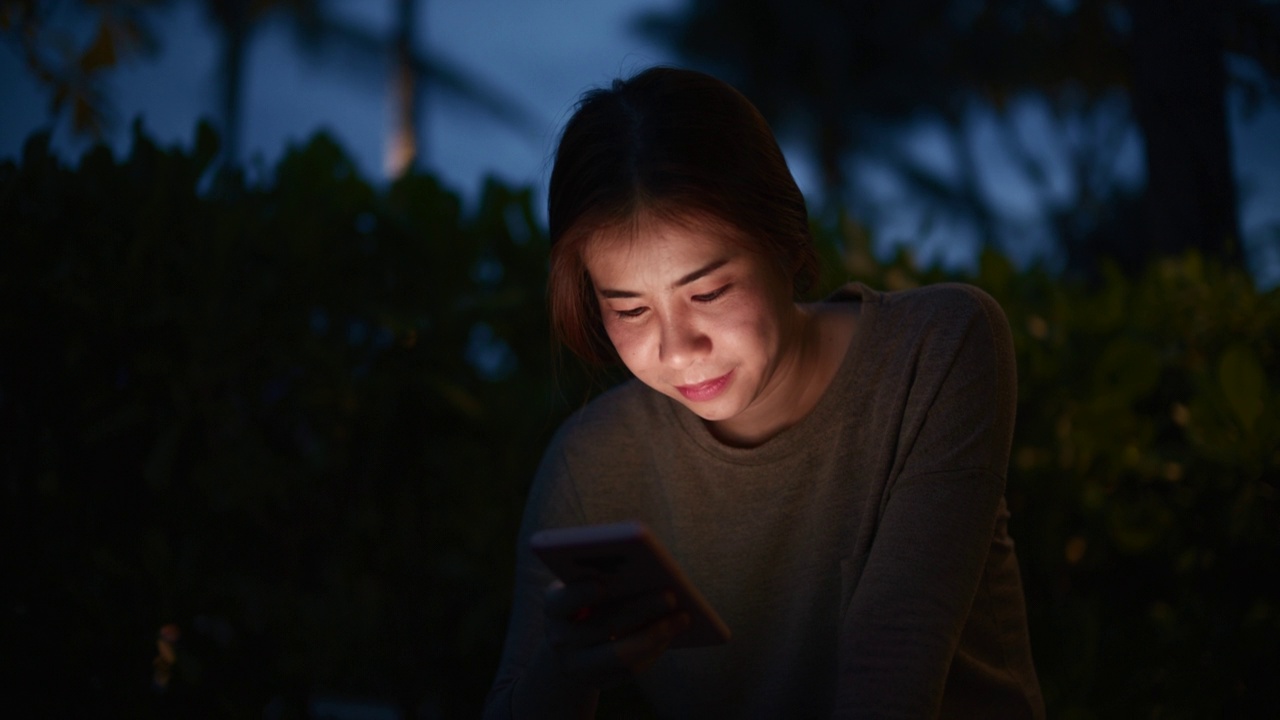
column 813, row 351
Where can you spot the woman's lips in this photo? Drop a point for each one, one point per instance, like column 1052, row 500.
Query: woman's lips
column 704, row 391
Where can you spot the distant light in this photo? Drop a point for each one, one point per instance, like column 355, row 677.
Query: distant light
column 489, row 354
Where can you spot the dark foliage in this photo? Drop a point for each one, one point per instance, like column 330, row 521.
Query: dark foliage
column 297, row 420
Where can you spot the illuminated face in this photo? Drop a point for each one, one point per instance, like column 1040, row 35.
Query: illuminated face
column 701, row 320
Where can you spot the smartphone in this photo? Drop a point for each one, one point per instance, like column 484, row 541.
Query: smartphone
column 628, row 559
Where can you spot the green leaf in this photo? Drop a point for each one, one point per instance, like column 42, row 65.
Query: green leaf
column 1137, row 525
column 995, row 271
column 1244, row 382
column 1128, row 369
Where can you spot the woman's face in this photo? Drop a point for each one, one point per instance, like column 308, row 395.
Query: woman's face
column 697, row 318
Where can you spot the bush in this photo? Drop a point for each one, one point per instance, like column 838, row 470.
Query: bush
column 1144, row 476
column 1143, row 481
column 297, row 419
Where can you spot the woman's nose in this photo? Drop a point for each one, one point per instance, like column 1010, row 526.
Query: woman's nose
column 681, row 344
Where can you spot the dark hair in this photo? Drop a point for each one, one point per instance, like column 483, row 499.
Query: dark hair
column 677, row 146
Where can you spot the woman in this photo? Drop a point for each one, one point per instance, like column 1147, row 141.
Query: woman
column 830, row 475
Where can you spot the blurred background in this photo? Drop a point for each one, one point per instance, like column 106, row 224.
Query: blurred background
column 274, row 368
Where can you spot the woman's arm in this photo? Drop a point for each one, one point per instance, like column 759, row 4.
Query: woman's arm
column 904, row 622
column 565, row 643
column 530, row 683
column 527, row 679
column 591, row 642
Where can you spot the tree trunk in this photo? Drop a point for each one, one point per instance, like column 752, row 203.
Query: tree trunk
column 233, row 17
column 1179, row 94
column 403, row 149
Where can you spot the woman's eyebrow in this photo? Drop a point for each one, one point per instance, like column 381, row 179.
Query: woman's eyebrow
column 684, row 280
column 700, row 272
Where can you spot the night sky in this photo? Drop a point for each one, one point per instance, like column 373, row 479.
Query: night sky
column 543, row 55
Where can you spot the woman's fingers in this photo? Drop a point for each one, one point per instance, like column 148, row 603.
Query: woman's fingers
column 609, row 620
column 626, row 656
column 600, row 641
column 572, row 601
column 640, row 650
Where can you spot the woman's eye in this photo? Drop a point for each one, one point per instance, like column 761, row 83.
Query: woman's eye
column 632, row 313
column 708, row 297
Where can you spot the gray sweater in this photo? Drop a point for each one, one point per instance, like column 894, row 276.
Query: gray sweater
column 859, row 557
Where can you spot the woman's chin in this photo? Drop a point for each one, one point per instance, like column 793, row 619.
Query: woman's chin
column 711, row 412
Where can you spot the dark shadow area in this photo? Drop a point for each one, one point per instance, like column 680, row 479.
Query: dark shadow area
column 265, row 444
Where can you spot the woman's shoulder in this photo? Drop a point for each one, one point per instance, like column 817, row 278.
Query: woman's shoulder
column 936, row 312
column 954, row 299
column 611, row 418
column 938, row 330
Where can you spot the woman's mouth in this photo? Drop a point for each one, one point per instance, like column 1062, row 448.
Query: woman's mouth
column 707, row 390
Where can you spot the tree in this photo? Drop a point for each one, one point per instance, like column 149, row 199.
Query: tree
column 402, row 146
column 839, row 77
column 414, row 70
column 73, row 72
column 122, row 31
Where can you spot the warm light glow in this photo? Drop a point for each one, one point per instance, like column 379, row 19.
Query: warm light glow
column 1076, row 546
column 166, row 655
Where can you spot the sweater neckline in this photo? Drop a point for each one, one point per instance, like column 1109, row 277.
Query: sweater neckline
column 790, row 440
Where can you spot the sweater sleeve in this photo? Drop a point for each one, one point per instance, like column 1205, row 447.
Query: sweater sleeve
column 552, row 502
column 939, row 507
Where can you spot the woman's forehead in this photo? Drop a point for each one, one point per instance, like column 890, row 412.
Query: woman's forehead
column 649, row 227
column 658, row 242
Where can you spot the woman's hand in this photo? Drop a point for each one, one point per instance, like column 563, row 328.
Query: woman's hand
column 598, row 641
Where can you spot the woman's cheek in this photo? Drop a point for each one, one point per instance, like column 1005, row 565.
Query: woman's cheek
column 625, row 339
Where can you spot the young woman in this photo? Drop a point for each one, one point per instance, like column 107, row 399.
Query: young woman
column 830, row 475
